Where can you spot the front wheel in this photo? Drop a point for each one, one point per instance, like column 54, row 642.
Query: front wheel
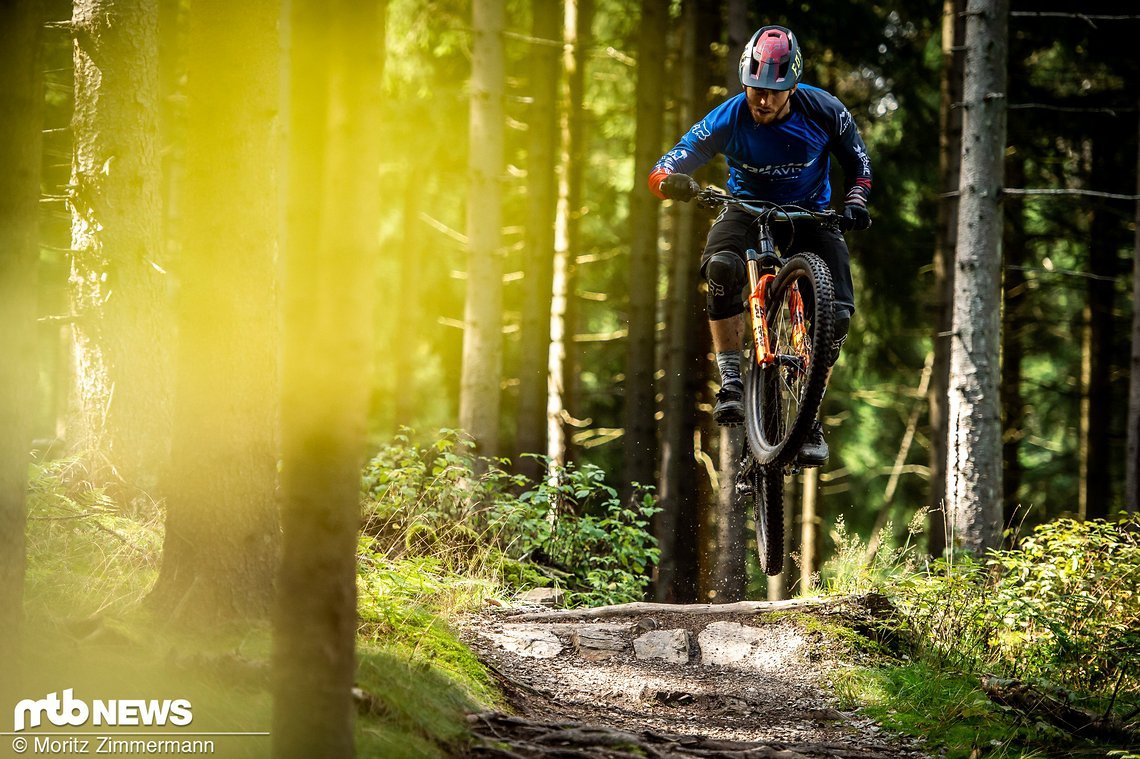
column 782, row 398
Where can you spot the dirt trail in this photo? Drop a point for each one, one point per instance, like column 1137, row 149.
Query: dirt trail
column 652, row 680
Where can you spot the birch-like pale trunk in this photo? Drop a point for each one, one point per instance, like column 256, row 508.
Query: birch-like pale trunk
column 949, row 169
column 479, row 391
column 973, row 471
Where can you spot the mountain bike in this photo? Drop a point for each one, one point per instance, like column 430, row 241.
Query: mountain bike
column 790, row 303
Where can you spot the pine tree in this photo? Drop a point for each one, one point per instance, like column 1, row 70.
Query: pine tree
column 330, row 250
column 479, row 399
column 123, row 333
column 973, row 483
column 220, row 547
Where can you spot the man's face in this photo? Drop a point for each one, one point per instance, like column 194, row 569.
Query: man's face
column 768, row 106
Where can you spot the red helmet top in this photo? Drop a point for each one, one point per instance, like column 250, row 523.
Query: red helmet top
column 772, row 59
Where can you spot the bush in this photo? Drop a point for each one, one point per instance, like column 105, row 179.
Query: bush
column 447, row 508
column 1062, row 607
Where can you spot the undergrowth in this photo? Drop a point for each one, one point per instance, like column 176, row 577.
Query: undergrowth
column 1059, row 612
column 87, row 552
column 442, row 532
column 442, row 524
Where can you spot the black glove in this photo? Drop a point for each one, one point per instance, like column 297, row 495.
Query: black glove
column 857, row 216
column 680, row 187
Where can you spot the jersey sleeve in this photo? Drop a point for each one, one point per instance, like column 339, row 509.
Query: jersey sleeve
column 848, row 147
column 697, row 147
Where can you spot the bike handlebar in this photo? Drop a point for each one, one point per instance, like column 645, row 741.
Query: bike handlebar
column 709, row 198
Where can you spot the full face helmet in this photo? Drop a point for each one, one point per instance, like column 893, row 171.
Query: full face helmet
column 772, row 60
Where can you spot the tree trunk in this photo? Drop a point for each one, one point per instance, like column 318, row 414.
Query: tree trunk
column 534, row 348
column 21, row 89
column 221, row 526
column 1014, row 327
column 1095, row 492
column 739, row 27
column 562, row 383
column 677, row 485
column 732, row 538
column 1132, row 465
column 949, row 167
column 329, row 255
column 639, row 390
column 809, row 531
column 407, row 318
column 973, row 481
column 731, row 573
column 123, row 328
column 483, row 336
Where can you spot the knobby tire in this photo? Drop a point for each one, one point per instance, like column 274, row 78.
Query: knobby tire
column 770, row 391
column 768, row 501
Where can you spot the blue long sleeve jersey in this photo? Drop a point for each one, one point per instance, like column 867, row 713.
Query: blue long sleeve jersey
column 783, row 163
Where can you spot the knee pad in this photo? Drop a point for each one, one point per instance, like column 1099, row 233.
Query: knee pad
column 725, row 274
column 840, row 325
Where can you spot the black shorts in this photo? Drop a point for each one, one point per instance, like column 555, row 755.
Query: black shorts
column 735, row 230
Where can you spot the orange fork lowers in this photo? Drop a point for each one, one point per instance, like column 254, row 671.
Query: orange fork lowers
column 801, row 341
column 761, row 341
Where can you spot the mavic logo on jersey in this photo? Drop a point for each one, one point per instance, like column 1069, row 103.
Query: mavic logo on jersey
column 778, row 171
column 844, row 120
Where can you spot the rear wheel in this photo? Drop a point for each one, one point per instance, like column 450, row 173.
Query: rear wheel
column 782, row 398
column 768, row 498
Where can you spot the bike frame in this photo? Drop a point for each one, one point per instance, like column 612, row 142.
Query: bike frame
column 761, row 271
column 762, row 266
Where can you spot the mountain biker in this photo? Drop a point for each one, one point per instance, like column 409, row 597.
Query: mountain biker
column 776, row 137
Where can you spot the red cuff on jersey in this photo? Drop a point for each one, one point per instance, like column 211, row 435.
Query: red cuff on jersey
column 859, row 192
column 655, row 180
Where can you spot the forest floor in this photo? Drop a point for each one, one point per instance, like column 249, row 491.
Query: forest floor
column 754, row 679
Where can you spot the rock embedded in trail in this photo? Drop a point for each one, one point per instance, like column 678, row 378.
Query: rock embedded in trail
column 731, row 644
column 532, row 641
column 670, row 646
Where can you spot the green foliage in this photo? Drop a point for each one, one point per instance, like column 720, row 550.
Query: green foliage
column 853, row 568
column 452, row 514
column 947, row 709
column 1062, row 609
column 415, row 711
column 87, row 553
column 579, row 524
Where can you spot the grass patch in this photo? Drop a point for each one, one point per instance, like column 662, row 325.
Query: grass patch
column 847, row 638
column 948, row 709
column 1059, row 612
column 420, row 708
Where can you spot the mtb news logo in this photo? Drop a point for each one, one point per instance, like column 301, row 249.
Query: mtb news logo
column 69, row 711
